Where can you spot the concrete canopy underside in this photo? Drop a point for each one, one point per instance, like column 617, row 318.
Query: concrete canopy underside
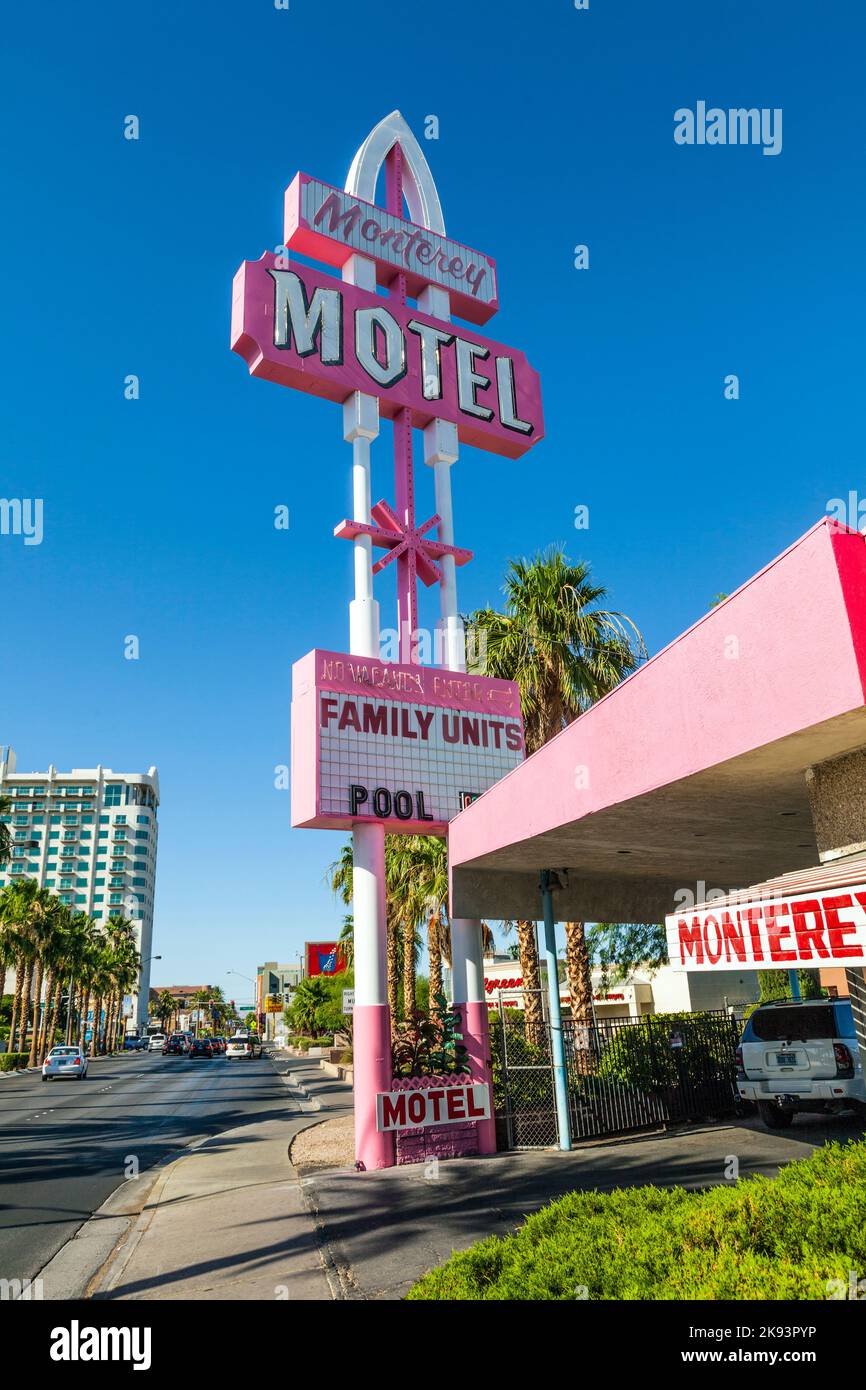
column 693, row 770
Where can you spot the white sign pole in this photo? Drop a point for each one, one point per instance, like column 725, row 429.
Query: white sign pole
column 372, row 1024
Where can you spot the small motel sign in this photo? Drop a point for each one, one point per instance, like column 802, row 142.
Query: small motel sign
column 435, row 1105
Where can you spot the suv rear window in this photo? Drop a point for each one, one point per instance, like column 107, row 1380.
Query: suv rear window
column 800, row 1023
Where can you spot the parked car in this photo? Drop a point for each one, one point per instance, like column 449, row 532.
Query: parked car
column 244, row 1045
column 800, row 1055
column 64, row 1061
column 219, row 1045
column 201, row 1047
column 157, row 1042
column 175, row 1045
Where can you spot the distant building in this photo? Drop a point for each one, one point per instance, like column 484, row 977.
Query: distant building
column 274, row 986
column 187, row 1014
column 642, row 992
column 90, row 837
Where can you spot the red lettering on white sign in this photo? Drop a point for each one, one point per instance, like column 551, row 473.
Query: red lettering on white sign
column 800, row 931
column 424, row 1108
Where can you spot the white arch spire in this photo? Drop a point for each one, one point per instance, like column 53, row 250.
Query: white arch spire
column 419, row 187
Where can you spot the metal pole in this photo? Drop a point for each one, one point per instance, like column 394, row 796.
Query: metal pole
column 557, row 1048
column 794, row 984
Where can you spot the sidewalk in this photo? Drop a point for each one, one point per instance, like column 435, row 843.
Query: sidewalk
column 228, row 1220
column 233, row 1219
column 383, row 1230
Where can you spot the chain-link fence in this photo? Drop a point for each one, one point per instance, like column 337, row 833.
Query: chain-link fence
column 623, row 1074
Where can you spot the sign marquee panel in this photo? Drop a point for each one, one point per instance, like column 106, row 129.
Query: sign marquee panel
column 331, row 225
column 304, row 329
column 805, row 930
column 374, row 740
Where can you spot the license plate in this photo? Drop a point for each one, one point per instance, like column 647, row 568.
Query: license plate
column 786, row 1059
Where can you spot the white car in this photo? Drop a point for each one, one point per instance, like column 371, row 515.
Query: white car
column 244, row 1045
column 157, row 1042
column 801, row 1055
column 64, row 1061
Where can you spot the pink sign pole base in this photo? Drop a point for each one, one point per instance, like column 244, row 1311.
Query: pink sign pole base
column 371, row 1048
column 475, row 1027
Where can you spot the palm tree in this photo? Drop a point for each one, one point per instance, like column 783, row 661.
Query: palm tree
column 163, row 1008
column 79, row 951
column 346, row 940
column 340, row 879
column 419, row 881
column 311, row 996
column 100, row 988
column 55, row 956
column 5, row 835
column 47, row 921
column 7, row 937
column 25, row 909
column 90, row 967
column 122, row 970
column 393, row 940
column 565, row 652
column 201, row 1001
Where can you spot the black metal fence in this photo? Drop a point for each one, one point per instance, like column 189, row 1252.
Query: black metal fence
column 624, row 1074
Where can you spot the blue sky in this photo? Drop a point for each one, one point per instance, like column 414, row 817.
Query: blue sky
column 556, row 128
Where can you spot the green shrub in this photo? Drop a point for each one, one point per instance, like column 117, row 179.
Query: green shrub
column 642, row 1056
column 776, row 984
column 301, row 1041
column 346, row 1057
column 759, row 1238
column 11, row 1061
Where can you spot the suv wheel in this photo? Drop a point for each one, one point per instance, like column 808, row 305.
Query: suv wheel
column 773, row 1116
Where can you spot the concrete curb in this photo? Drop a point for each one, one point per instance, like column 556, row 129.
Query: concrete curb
column 309, row 1104
column 70, row 1272
column 335, row 1262
column 92, row 1262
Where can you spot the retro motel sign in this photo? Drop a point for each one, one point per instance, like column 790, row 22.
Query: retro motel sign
column 393, row 745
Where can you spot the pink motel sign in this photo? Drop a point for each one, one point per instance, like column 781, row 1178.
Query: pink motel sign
column 378, row 746
column 301, row 328
column 407, row 745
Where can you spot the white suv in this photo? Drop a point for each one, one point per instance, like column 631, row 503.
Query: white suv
column 157, row 1042
column 244, row 1045
column 800, row 1055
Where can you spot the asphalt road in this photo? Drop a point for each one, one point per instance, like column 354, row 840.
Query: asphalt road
column 66, row 1145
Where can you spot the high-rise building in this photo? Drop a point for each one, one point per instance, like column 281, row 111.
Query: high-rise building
column 90, row 836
